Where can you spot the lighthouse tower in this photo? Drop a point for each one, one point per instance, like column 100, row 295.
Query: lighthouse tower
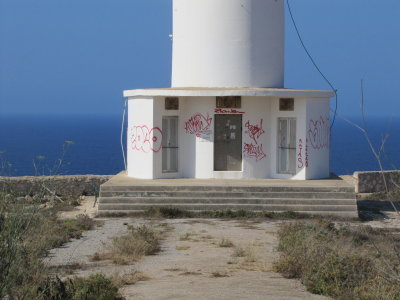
column 228, row 43
column 227, row 113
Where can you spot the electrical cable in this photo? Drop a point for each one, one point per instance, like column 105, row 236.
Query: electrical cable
column 122, row 133
column 313, row 62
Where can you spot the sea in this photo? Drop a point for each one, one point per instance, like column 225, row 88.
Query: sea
column 90, row 144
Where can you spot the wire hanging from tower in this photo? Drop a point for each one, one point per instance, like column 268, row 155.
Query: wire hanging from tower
column 313, row 62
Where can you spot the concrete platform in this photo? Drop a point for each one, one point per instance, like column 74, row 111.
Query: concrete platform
column 122, row 179
column 332, row 196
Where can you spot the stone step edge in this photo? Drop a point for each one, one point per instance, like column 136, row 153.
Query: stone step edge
column 340, row 214
column 227, row 199
column 228, row 193
column 216, row 188
column 200, row 205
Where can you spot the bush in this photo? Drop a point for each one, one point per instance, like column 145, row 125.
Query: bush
column 95, row 287
column 345, row 262
column 26, row 235
column 140, row 241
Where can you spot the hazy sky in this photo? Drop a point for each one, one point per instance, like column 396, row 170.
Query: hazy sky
column 77, row 56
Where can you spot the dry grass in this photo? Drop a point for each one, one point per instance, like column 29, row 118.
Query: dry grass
column 190, row 273
column 344, row 263
column 182, row 247
column 129, row 278
column 225, row 243
column 219, row 274
column 249, row 253
column 188, row 236
column 138, row 242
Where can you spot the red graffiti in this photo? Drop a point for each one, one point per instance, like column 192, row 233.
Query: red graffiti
column 145, row 139
column 254, row 131
column 300, row 163
column 254, row 151
column 318, row 133
column 227, row 111
column 307, row 153
column 198, row 124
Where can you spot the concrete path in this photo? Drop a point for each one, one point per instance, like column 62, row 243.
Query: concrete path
column 192, row 263
column 202, row 269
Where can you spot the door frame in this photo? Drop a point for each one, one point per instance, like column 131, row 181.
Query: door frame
column 241, row 144
column 174, row 147
column 278, row 148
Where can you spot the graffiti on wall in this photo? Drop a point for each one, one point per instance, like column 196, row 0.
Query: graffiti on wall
column 228, row 111
column 146, row 139
column 300, row 163
column 199, row 125
column 254, row 131
column 307, row 161
column 318, row 133
column 254, row 149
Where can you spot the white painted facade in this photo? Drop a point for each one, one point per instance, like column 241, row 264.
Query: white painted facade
column 228, row 43
column 228, row 48
column 196, row 153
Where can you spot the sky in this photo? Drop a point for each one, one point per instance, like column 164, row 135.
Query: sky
column 77, row 56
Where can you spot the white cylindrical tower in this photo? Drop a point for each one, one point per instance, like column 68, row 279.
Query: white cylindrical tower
column 228, row 43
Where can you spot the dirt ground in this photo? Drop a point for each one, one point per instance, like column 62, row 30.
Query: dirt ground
column 193, row 264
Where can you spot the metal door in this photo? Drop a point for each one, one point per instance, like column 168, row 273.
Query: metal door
column 228, row 143
column 287, row 145
column 170, row 144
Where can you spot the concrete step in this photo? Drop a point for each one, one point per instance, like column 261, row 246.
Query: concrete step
column 236, row 200
column 224, row 206
column 237, row 189
column 336, row 214
column 229, row 195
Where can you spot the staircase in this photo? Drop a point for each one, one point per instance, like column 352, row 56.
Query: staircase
column 336, row 200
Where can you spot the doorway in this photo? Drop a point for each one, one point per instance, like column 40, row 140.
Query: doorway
column 170, row 144
column 228, row 142
column 287, row 146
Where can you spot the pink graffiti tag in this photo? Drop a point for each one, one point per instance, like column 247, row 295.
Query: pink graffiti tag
column 228, row 111
column 198, row 124
column 300, row 163
column 307, row 164
column 145, row 140
column 254, row 131
column 318, row 133
column 254, row 151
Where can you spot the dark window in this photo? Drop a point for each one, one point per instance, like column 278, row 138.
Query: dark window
column 171, row 103
column 286, row 104
column 229, row 102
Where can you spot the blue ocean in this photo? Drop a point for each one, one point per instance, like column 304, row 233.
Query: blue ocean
column 34, row 145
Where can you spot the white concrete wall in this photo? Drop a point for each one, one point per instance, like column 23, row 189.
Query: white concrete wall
column 318, row 139
column 300, row 107
column 196, row 138
column 140, row 144
column 228, row 43
column 159, row 113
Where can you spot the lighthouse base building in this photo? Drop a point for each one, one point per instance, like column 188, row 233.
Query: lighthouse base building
column 227, row 114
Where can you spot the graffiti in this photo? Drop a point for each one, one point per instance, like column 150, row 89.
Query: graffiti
column 254, row 131
column 145, row 140
column 198, row 124
column 318, row 133
column 227, row 111
column 254, row 151
column 307, row 153
column 300, row 163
